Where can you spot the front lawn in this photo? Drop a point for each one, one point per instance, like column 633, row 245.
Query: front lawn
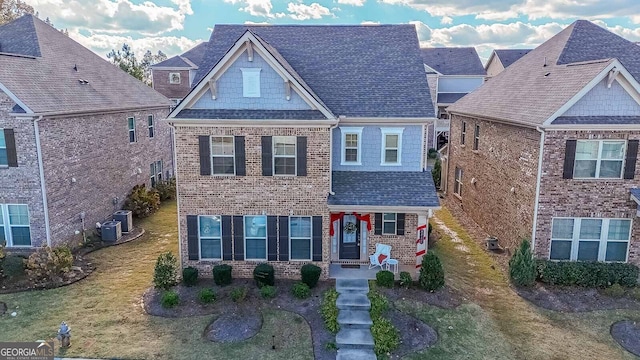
column 107, row 319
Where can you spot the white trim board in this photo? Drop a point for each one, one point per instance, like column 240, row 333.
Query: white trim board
column 15, row 99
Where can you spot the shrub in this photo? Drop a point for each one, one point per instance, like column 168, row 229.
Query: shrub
column 405, row 279
column 614, row 291
column 586, row 274
column 431, row 272
column 141, row 201
column 264, row 274
column 436, row 173
column 190, row 276
column 432, row 154
column 222, row 274
column 268, row 292
column 239, row 294
column 13, row 266
column 300, row 290
column 386, row 337
column 310, row 274
column 165, row 274
column 329, row 310
column 379, row 304
column 169, row 299
column 47, row 264
column 166, row 189
column 331, row 346
column 522, row 266
column 385, row 278
column 206, row 296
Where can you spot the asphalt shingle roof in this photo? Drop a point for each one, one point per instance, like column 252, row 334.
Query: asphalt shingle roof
column 384, row 188
column 176, row 61
column 635, row 192
column 194, row 55
column 50, row 84
column 509, row 56
column 358, row 71
column 596, row 120
column 453, row 60
column 533, row 88
column 19, row 37
column 251, row 114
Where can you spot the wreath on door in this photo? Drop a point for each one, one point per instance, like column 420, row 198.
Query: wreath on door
column 350, row 228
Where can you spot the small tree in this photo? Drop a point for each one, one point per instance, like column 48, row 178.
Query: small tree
column 522, row 266
column 436, row 173
column 165, row 274
column 431, row 272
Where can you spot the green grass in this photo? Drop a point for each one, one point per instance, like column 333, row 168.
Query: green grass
column 107, row 320
column 496, row 323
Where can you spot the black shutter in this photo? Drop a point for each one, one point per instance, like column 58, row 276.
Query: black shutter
column 238, row 238
column 272, row 238
column 267, row 156
column 400, row 224
column 227, row 252
column 12, row 154
column 301, row 156
column 240, row 156
column 284, row 237
column 317, row 238
column 569, row 159
column 377, row 220
column 193, row 247
column 204, row 145
column 630, row 162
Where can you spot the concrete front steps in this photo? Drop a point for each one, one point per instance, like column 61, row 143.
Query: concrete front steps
column 354, row 340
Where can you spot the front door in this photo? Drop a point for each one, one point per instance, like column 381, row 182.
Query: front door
column 349, row 237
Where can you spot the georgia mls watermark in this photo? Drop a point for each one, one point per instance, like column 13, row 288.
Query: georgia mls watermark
column 26, row 350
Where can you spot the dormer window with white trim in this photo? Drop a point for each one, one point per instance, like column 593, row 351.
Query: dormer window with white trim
column 250, row 82
column 174, row 78
column 351, row 145
column 391, row 146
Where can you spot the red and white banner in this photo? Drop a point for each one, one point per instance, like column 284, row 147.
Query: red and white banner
column 421, row 240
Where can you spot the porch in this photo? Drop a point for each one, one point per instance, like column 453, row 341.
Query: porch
column 337, row 271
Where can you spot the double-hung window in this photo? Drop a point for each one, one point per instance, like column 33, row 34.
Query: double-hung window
column 131, row 123
column 155, row 171
column 463, row 133
column 391, row 146
column 14, row 225
column 222, row 152
column 300, row 237
column 4, row 158
column 255, row 237
column 284, row 155
column 389, row 224
column 351, row 144
column 590, row 239
column 150, row 125
column 457, row 185
column 599, row 159
column 210, row 234
column 476, row 137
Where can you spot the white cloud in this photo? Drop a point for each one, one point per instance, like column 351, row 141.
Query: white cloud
column 306, row 12
column 446, row 20
column 370, row 23
column 352, row 2
column 260, row 8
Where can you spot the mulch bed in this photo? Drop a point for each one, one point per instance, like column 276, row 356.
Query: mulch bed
column 445, row 298
column 574, row 299
column 627, row 334
column 234, row 327
column 415, row 335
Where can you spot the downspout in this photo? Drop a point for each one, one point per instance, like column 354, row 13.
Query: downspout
column 175, row 175
column 43, row 187
column 331, row 158
column 538, row 181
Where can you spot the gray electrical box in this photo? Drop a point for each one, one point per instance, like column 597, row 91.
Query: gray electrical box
column 126, row 219
column 111, row 231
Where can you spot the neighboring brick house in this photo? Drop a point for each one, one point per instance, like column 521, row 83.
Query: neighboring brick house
column 76, row 134
column 287, row 159
column 173, row 77
column 452, row 72
column 500, row 59
column 548, row 149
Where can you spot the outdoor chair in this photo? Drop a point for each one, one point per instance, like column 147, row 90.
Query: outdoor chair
column 379, row 258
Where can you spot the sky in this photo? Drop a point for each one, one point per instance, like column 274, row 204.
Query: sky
column 174, row 26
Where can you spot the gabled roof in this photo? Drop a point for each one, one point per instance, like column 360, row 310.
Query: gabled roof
column 509, row 56
column 453, row 60
column 536, row 87
column 188, row 60
column 50, row 83
column 356, row 71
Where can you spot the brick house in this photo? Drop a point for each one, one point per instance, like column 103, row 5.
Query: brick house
column 547, row 149
column 76, row 134
column 287, row 159
column 173, row 77
column 501, row 59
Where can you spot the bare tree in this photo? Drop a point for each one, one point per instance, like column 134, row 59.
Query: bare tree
column 13, row 9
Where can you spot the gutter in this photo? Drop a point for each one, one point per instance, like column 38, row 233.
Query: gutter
column 538, row 181
column 331, row 192
column 53, row 114
column 43, row 187
column 175, row 175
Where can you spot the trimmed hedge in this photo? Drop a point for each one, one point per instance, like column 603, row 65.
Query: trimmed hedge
column 222, row 274
column 385, row 278
column 170, row 299
column 206, row 296
column 300, row 290
column 522, row 266
column 586, row 274
column 190, row 276
column 310, row 274
column 431, row 273
column 329, row 310
column 264, row 274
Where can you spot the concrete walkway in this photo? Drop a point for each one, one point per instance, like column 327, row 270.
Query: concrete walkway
column 354, row 339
